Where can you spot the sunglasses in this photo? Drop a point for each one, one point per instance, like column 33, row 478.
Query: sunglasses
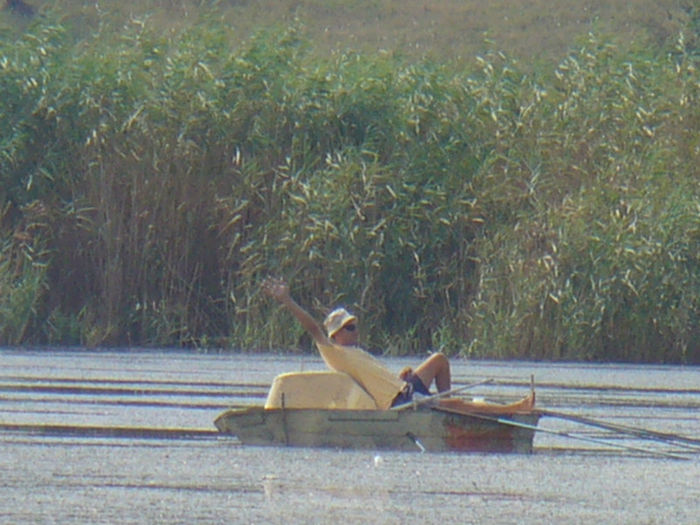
column 349, row 327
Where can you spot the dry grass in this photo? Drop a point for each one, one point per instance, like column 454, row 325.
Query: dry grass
column 443, row 30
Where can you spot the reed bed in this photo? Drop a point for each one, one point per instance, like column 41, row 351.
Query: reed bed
column 152, row 179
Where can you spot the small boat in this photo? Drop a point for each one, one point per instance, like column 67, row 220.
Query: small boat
column 329, row 409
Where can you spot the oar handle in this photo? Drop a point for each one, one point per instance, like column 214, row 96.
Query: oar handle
column 415, row 403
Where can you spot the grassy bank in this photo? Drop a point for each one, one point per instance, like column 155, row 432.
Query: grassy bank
column 152, row 178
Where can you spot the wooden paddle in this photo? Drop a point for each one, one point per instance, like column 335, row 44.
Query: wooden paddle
column 642, row 433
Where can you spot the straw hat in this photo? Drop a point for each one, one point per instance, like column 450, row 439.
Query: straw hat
column 337, row 319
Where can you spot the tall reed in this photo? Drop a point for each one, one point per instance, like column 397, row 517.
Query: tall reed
column 489, row 212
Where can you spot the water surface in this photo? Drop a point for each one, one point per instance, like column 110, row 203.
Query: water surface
column 128, row 437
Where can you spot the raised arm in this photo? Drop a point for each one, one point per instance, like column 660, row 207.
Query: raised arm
column 278, row 289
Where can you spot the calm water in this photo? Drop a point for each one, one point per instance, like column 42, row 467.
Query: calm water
column 150, row 454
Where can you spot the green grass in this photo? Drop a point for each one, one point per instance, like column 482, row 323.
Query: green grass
column 540, row 202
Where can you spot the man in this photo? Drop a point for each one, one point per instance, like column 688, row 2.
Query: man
column 340, row 350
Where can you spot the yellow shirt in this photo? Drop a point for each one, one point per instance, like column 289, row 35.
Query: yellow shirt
column 374, row 377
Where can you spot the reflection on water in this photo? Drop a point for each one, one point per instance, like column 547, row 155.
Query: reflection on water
column 128, row 436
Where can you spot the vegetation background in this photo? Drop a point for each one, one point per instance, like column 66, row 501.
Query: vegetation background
column 491, row 179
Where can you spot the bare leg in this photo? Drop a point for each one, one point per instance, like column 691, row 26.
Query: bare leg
column 436, row 367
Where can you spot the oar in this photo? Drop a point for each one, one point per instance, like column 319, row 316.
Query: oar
column 642, row 433
column 510, row 422
column 427, row 399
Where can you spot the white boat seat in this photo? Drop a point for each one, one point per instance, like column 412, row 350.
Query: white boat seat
column 319, row 390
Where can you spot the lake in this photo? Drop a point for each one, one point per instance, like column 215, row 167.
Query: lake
column 127, row 436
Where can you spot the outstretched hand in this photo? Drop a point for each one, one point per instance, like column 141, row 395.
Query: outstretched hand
column 276, row 288
column 279, row 289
